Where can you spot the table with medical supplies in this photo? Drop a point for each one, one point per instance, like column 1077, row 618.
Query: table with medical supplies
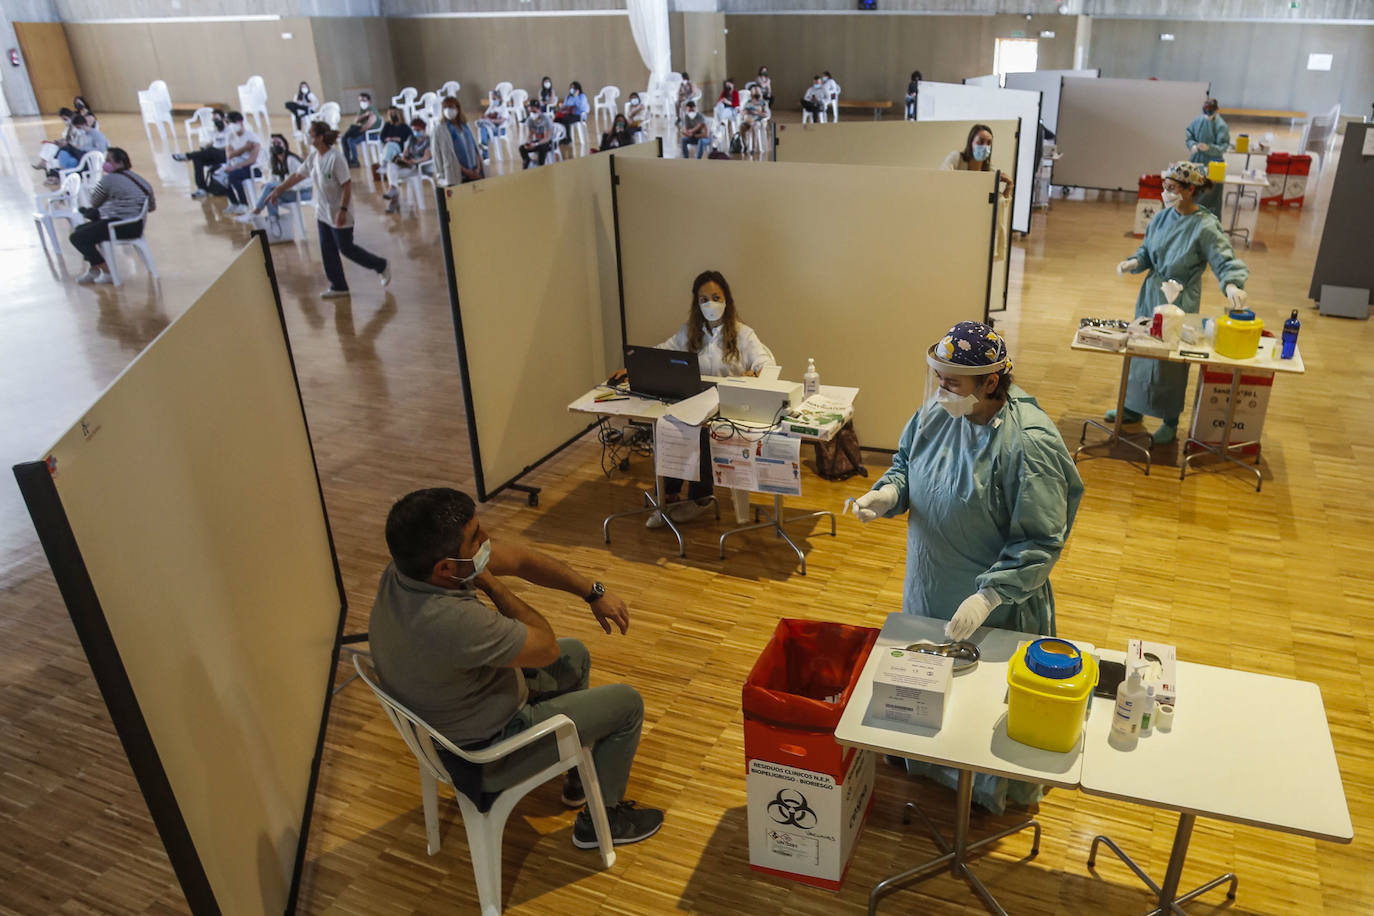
column 1263, row 361
column 973, row 739
column 607, row 401
column 1247, row 748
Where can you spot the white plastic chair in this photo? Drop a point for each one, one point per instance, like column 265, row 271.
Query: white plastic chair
column 833, row 106
column 516, row 113
column 253, row 104
column 579, row 134
column 155, row 104
column 49, row 206
column 451, row 88
column 556, row 148
column 139, row 244
column 200, row 127
column 605, row 104
column 372, row 149
column 90, row 169
column 430, row 106
column 485, row 829
column 503, row 90
column 406, row 102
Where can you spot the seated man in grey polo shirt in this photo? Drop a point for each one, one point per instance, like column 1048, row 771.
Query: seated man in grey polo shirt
column 479, row 674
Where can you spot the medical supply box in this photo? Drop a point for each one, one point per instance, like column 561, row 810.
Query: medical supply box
column 1160, row 665
column 911, row 688
column 1049, row 684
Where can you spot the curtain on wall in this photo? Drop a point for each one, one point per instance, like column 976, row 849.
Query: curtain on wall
column 649, row 24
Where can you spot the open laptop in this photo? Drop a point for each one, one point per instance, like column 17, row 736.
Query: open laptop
column 668, row 375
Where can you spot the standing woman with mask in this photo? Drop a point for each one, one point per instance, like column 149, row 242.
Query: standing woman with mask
column 1182, row 239
column 990, row 493
column 457, row 158
column 1208, row 139
column 724, row 346
column 976, row 156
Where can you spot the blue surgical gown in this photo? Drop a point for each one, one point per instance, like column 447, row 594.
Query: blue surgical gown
column 988, row 506
column 1176, row 247
column 1217, row 136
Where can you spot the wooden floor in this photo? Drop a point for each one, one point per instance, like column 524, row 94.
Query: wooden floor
column 1280, row 582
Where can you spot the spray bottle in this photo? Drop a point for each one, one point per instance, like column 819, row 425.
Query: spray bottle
column 1130, row 705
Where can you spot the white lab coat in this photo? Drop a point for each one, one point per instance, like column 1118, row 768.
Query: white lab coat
column 753, row 355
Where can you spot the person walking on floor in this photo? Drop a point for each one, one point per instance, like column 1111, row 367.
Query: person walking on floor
column 333, row 187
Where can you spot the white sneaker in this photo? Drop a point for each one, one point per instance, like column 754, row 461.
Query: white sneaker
column 235, row 210
column 199, row 194
column 655, row 521
column 685, row 511
column 106, row 277
column 247, row 216
column 88, row 277
column 332, row 293
column 386, row 274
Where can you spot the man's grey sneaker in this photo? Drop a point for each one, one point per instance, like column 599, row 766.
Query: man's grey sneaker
column 628, row 825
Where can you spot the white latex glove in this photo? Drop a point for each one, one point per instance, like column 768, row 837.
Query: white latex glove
column 875, row 503
column 973, row 610
column 1127, row 266
column 1236, row 295
column 1203, row 147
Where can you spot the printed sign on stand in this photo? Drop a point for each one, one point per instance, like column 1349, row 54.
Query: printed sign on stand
column 770, row 463
column 1209, row 407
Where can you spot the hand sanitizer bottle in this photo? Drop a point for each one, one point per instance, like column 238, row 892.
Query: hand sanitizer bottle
column 1130, row 705
column 811, row 380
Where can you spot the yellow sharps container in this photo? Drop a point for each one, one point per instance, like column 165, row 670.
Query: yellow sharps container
column 1217, row 171
column 1051, row 683
column 1238, row 334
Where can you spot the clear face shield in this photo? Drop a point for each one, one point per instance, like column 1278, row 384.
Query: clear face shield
column 952, row 390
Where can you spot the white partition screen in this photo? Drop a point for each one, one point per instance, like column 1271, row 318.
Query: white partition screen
column 536, row 308
column 864, row 291
column 954, row 102
column 1047, row 83
column 1113, row 131
column 183, row 520
column 988, row 80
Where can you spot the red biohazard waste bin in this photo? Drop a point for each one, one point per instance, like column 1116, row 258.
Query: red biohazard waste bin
column 1149, row 200
column 808, row 797
column 1276, row 169
column 1295, row 188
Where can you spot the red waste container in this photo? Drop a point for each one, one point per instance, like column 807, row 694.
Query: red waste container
column 808, row 797
column 1295, row 188
column 1149, row 200
column 1276, row 166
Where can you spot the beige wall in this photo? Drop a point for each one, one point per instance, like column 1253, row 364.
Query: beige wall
column 479, row 53
column 704, row 54
column 199, row 61
column 354, row 54
column 872, row 54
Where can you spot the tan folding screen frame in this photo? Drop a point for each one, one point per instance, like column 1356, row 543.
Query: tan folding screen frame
column 184, row 522
column 535, row 305
column 861, row 268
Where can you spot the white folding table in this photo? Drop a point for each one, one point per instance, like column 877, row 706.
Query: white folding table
column 1244, row 747
column 973, row 739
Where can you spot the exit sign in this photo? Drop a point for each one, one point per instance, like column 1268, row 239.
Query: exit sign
column 1019, row 33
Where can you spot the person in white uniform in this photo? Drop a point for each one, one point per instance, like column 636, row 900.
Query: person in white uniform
column 725, row 346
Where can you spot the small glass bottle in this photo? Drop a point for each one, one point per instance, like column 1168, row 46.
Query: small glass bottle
column 1291, row 327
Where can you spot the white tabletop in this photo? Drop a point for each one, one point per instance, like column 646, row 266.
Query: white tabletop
column 1244, row 747
column 1245, row 181
column 974, row 733
column 620, row 405
column 1262, row 361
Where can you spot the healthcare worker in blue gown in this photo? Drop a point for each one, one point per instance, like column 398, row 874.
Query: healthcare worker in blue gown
column 990, row 493
column 1208, row 139
column 1180, row 242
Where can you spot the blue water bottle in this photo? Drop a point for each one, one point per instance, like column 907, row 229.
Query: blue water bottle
column 1290, row 335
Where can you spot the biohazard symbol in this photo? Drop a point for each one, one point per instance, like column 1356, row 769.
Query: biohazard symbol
column 791, row 810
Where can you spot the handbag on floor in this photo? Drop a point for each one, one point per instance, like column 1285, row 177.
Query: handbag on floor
column 840, row 458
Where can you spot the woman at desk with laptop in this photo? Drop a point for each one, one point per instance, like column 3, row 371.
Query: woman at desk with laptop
column 725, row 346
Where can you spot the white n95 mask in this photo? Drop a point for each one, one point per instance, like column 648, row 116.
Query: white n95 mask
column 1171, row 198
column 956, row 405
column 711, row 310
column 478, row 560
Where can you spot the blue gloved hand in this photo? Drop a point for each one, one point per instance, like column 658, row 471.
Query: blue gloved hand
column 972, row 611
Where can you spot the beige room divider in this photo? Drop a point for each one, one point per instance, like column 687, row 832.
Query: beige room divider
column 184, row 522
column 913, row 144
column 535, row 306
column 861, row 268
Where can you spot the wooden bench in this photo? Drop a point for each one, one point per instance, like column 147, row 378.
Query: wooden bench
column 1263, row 113
column 190, row 108
column 878, row 106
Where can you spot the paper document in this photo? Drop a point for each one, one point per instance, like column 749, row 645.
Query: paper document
column 777, row 464
column 1368, row 148
column 677, row 449
column 732, row 463
column 771, row 373
column 697, row 408
column 838, row 394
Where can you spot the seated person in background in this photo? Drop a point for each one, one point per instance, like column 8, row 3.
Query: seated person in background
column 282, row 164
column 479, row 674
column 356, row 135
column 79, row 139
column 492, row 123
column 538, row 133
column 727, row 105
column 815, row 98
column 209, row 157
column 725, row 346
column 241, row 154
column 619, row 135
column 395, row 133
column 49, row 150
column 119, row 196
column 574, row 110
column 765, row 85
column 80, row 107
column 976, row 156
column 637, row 112
column 755, row 109
column 695, row 134
column 832, row 88
column 685, row 91
column 416, row 153
column 305, row 103
column 911, row 89
column 548, row 98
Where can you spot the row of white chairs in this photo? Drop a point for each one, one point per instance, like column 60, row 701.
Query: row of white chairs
column 155, row 105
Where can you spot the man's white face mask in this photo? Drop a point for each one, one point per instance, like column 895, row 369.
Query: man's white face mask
column 956, row 405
